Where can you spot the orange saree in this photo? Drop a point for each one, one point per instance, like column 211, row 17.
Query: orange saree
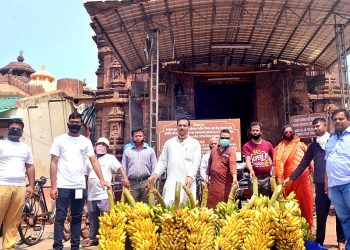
column 287, row 157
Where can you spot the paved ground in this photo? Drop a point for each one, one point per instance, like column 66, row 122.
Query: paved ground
column 47, row 239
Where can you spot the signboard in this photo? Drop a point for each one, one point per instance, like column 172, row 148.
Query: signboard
column 303, row 124
column 202, row 130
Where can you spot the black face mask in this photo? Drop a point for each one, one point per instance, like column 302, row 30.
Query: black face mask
column 256, row 137
column 74, row 128
column 288, row 138
column 14, row 132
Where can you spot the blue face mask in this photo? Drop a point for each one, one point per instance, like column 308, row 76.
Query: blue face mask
column 224, row 142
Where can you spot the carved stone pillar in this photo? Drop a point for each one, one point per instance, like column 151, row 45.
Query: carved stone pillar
column 116, row 120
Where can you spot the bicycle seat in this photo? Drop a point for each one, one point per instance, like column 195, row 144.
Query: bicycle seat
column 41, row 181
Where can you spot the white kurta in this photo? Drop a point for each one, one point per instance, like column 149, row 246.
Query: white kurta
column 179, row 159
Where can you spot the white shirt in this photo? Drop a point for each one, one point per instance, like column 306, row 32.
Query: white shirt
column 179, row 159
column 13, row 157
column 204, row 165
column 109, row 165
column 71, row 167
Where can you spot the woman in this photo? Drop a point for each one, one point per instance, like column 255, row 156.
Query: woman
column 287, row 156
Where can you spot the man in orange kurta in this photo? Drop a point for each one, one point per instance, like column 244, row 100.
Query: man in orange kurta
column 287, row 156
column 221, row 171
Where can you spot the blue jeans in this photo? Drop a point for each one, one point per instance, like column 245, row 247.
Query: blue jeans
column 65, row 198
column 340, row 196
column 95, row 209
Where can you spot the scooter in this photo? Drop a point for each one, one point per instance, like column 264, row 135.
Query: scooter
column 244, row 191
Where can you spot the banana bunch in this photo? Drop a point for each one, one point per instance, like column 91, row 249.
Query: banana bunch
column 201, row 228
column 173, row 233
column 289, row 234
column 305, row 228
column 143, row 234
column 139, row 211
column 112, row 230
column 232, row 233
column 260, row 234
column 224, row 210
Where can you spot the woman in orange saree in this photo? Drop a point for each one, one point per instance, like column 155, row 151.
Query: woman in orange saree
column 287, row 156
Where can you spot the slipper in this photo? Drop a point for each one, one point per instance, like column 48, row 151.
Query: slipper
column 90, row 243
column 341, row 246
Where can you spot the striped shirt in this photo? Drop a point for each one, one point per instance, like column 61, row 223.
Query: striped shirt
column 139, row 163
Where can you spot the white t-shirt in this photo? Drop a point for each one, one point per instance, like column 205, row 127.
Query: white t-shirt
column 13, row 157
column 72, row 153
column 109, row 165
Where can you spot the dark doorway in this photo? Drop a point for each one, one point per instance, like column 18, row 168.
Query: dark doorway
column 224, row 101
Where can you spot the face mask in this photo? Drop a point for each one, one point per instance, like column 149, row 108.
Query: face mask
column 140, row 141
column 101, row 150
column 224, row 142
column 14, row 132
column 256, row 137
column 74, row 128
column 288, row 136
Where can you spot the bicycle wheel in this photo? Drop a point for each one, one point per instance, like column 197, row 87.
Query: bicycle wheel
column 32, row 225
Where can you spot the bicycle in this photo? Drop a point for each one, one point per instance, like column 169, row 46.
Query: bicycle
column 35, row 214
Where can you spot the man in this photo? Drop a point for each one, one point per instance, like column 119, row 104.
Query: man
column 139, row 162
column 180, row 157
column 97, row 197
column 16, row 162
column 258, row 155
column 205, row 158
column 68, row 187
column 316, row 152
column 338, row 168
column 221, row 172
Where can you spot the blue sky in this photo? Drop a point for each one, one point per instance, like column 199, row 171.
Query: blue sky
column 54, row 33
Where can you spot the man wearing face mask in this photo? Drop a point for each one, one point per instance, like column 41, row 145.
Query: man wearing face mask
column 316, row 152
column 221, row 171
column 205, row 158
column 16, row 163
column 258, row 155
column 139, row 162
column 68, row 187
column 97, row 197
column 287, row 156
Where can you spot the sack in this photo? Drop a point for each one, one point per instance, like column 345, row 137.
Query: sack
column 312, row 245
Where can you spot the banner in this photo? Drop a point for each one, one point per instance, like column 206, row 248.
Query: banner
column 202, row 130
column 303, row 124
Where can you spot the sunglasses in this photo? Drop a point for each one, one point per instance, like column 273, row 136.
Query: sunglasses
column 223, row 138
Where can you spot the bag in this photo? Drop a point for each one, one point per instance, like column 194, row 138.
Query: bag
column 312, row 245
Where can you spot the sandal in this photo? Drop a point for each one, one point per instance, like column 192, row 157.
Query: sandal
column 90, row 243
column 341, row 246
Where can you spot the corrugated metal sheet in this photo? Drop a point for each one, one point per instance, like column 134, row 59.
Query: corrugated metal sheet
column 299, row 31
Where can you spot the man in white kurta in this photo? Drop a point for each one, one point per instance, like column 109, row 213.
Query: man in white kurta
column 180, row 157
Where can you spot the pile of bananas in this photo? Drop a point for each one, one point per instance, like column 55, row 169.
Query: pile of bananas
column 112, row 229
column 201, row 224
column 261, row 224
